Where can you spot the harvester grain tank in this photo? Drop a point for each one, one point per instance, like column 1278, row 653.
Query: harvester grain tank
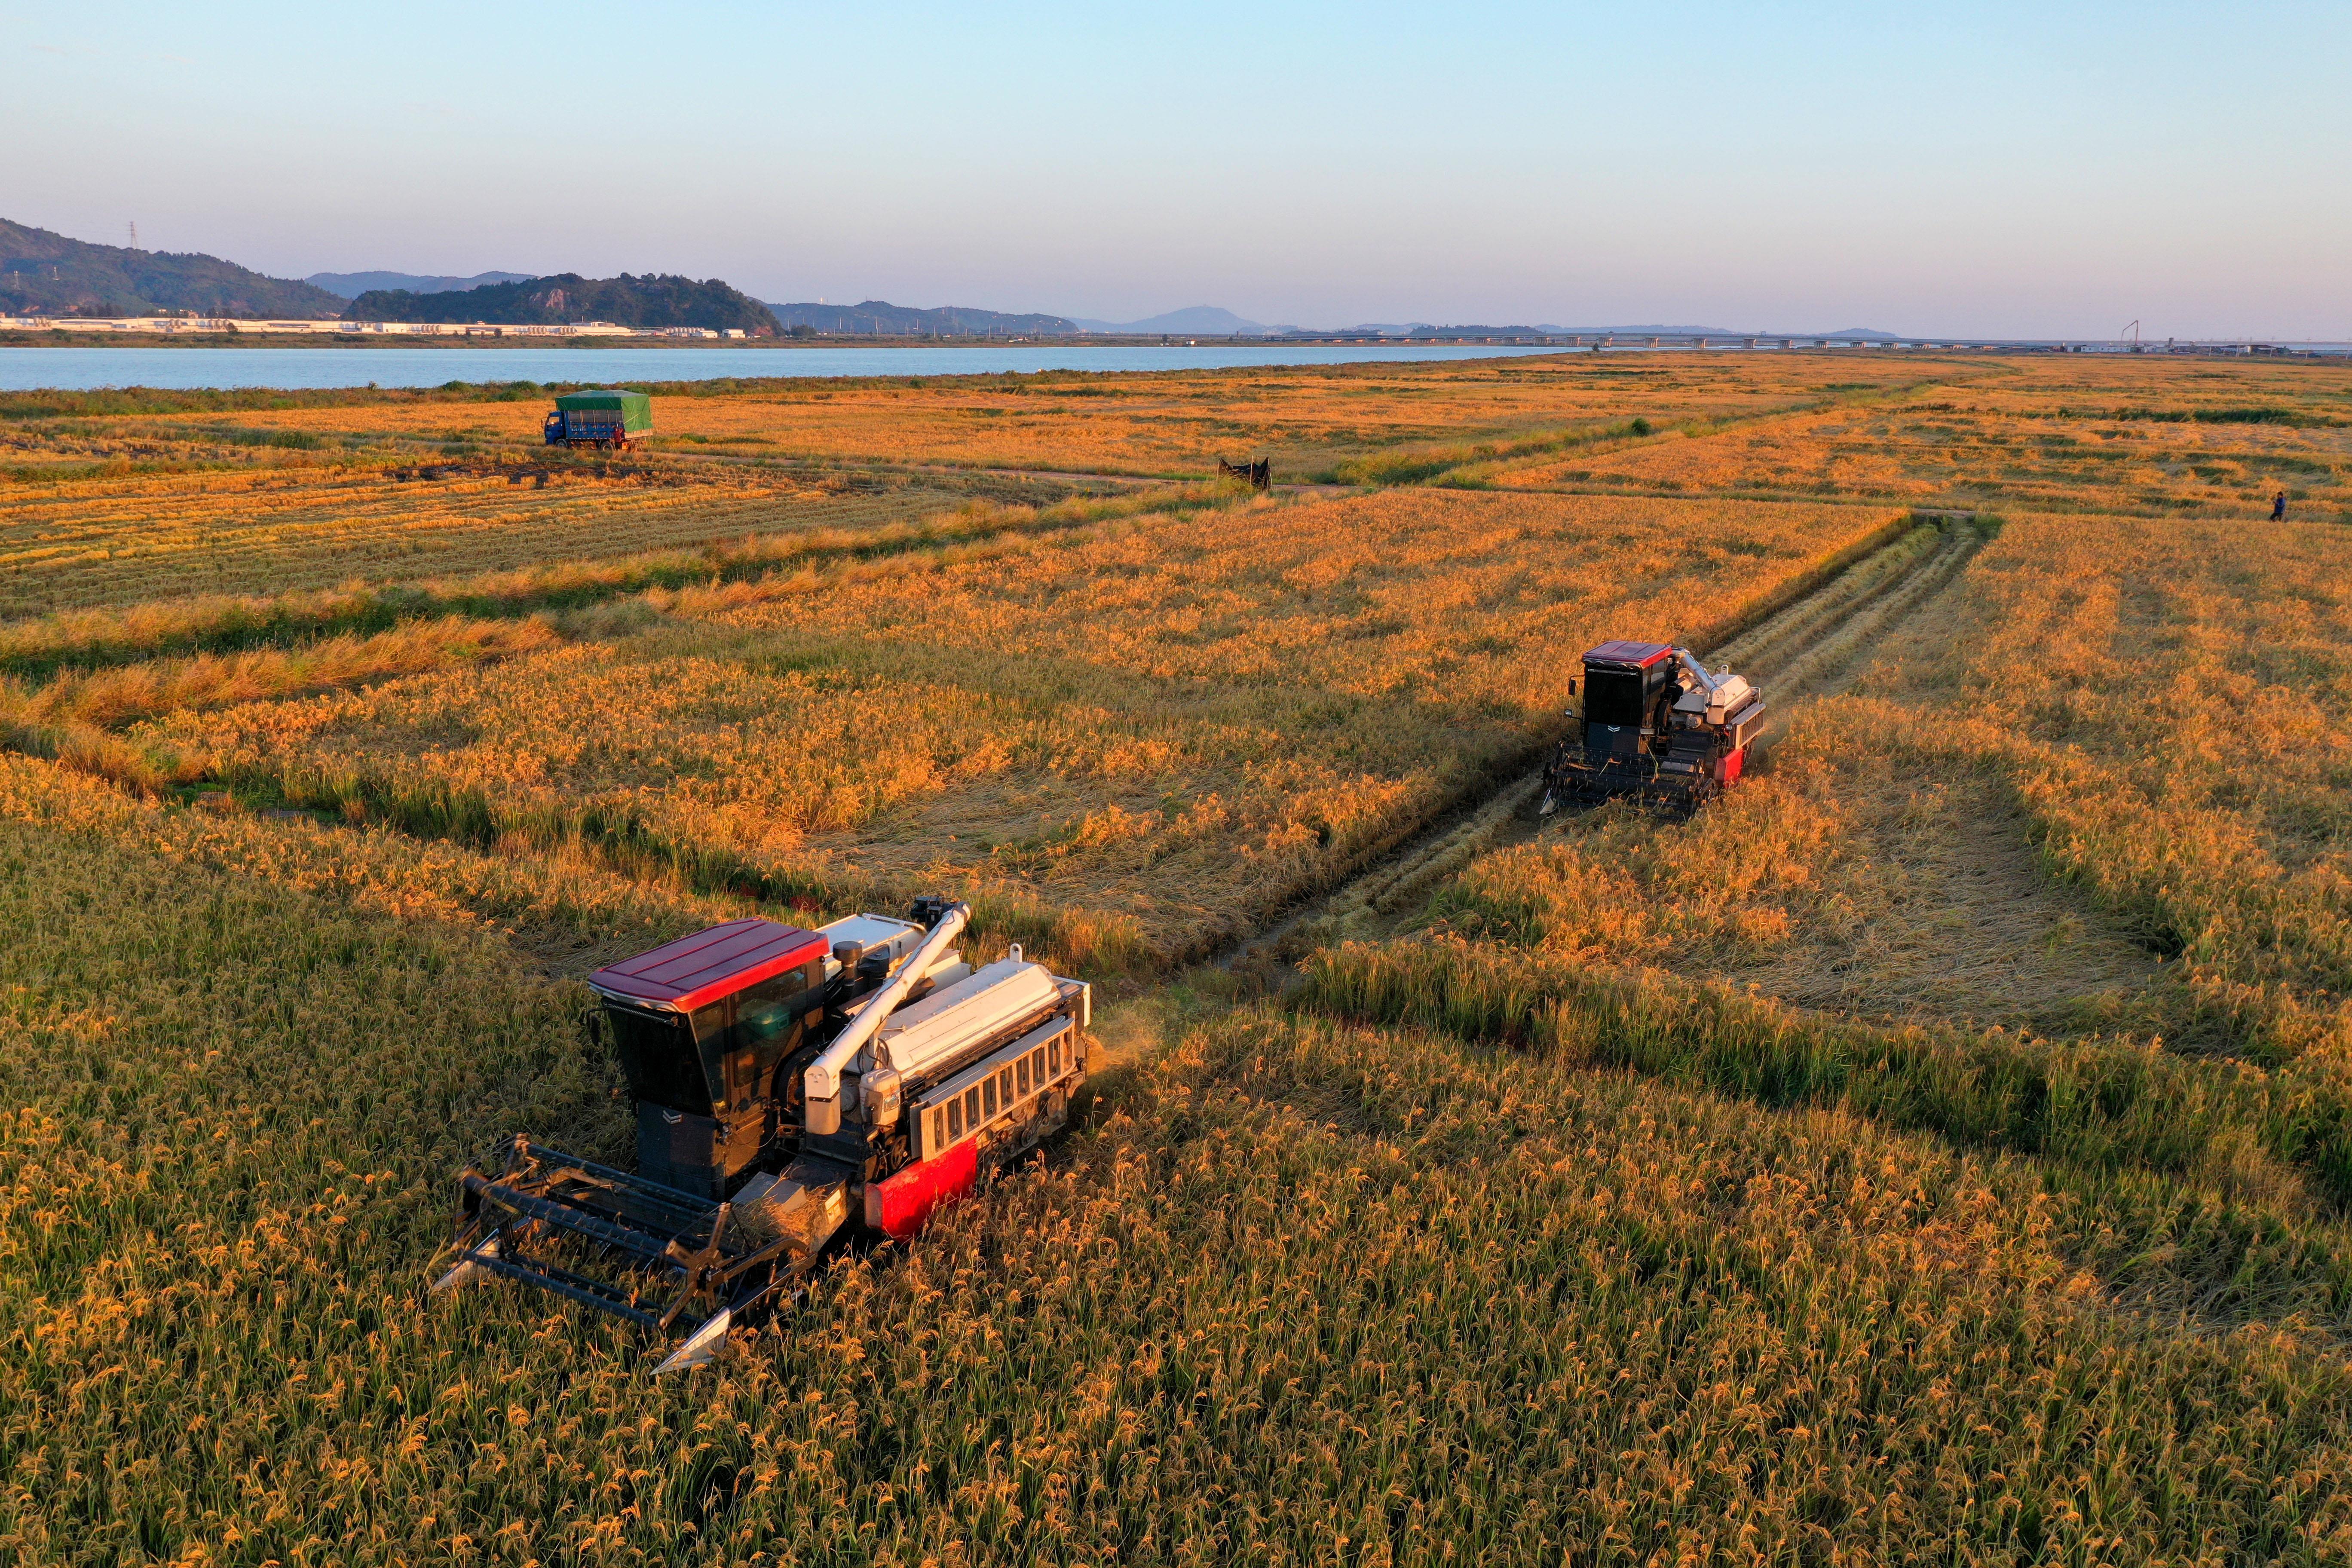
column 602, row 419
column 792, row 1087
column 1657, row 726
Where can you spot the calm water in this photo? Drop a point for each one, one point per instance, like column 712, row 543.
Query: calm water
column 82, row 369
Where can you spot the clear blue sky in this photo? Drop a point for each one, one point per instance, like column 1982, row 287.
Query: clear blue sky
column 2043, row 169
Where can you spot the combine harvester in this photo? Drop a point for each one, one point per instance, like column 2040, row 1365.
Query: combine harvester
column 792, row 1087
column 1657, row 727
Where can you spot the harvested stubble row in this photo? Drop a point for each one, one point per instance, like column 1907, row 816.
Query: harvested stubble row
column 79, row 639
column 1163, row 728
column 2058, row 434
column 181, row 535
column 1311, row 1290
column 1935, row 453
column 108, row 697
column 1315, row 422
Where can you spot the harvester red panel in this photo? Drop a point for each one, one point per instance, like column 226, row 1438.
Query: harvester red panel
column 898, row 1206
column 697, row 968
column 1641, row 655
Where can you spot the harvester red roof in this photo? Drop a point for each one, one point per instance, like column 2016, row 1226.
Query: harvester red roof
column 1641, row 655
column 701, row 968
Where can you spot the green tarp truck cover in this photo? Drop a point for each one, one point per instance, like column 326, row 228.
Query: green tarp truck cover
column 636, row 409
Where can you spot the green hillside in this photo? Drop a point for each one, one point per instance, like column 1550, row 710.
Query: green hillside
column 879, row 317
column 43, row 273
column 650, row 301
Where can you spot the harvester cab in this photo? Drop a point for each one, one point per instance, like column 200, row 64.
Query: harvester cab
column 1657, row 726
column 712, row 1029
column 791, row 1086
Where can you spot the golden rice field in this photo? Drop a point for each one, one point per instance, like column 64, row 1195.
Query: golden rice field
column 2101, row 783
column 1312, row 420
column 1167, row 728
column 1949, row 457
column 1940, row 1150
column 134, row 538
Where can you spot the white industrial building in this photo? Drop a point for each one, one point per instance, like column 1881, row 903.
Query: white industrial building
column 336, row 327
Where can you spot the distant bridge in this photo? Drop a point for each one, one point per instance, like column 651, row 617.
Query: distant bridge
column 1780, row 341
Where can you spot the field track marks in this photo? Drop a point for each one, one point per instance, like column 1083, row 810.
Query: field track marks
column 1966, row 925
column 1806, row 653
column 1809, row 642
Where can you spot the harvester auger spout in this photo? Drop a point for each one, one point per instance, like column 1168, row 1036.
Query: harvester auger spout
column 792, row 1088
column 1656, row 727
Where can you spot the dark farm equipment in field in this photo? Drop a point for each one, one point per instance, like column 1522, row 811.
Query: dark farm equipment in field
column 601, row 419
column 1258, row 476
column 1657, row 726
column 792, row 1088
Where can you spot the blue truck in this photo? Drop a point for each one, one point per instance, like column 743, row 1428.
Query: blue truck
column 604, row 419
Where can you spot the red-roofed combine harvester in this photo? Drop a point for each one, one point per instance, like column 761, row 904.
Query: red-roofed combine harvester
column 791, row 1086
column 1657, row 726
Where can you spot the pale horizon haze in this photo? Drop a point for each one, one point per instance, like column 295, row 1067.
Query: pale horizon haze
column 2026, row 171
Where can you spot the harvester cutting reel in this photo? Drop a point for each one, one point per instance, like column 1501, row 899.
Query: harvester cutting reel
column 688, row 1267
column 1657, row 727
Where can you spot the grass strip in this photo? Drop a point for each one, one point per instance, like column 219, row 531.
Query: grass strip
column 92, row 638
column 113, row 697
column 2099, row 1106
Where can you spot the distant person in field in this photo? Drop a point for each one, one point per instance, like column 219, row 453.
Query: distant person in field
column 2278, row 507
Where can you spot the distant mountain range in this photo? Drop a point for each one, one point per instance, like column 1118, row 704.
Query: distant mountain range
column 879, row 318
column 650, row 301
column 1201, row 321
column 351, row 285
column 42, row 273
column 45, row 273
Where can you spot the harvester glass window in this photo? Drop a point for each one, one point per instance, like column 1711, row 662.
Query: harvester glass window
column 955, row 1118
column 1612, row 696
column 971, row 1109
column 988, row 1099
column 1020, row 1078
column 658, row 1057
column 767, row 1020
column 710, row 1034
column 1053, row 1058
